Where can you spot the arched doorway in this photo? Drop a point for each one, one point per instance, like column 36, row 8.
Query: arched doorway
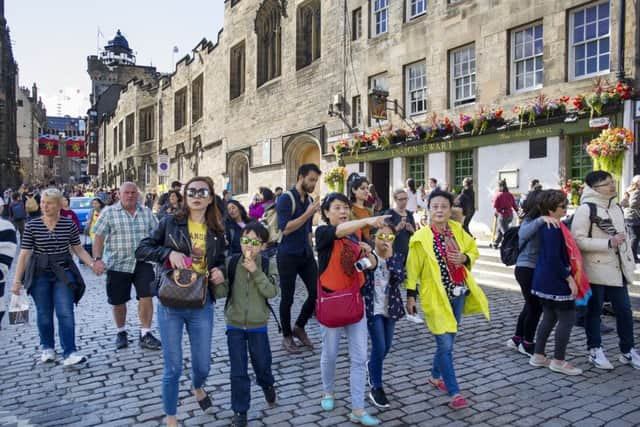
column 300, row 150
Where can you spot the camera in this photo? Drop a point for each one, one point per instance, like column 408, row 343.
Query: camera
column 363, row 264
column 460, row 290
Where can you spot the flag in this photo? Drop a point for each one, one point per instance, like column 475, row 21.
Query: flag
column 48, row 145
column 75, row 146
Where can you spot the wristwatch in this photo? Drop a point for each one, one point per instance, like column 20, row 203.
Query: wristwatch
column 97, row 258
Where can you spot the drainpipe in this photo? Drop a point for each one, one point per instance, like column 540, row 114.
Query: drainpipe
column 621, row 25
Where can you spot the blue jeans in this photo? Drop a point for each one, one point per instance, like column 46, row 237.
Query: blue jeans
column 199, row 325
column 260, row 352
column 443, row 359
column 619, row 297
column 381, row 333
column 357, row 341
column 49, row 295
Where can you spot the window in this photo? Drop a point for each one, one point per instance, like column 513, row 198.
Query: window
column 180, row 109
column 589, row 41
column 463, row 75
column 115, row 140
column 415, row 86
column 120, row 135
column 356, row 111
column 462, row 166
column 380, row 17
column 308, row 34
column 196, row 98
column 415, row 169
column 526, row 58
column 538, row 148
column 237, row 61
column 238, row 168
column 415, row 8
column 581, row 163
column 269, row 35
column 130, row 123
column 234, row 2
column 147, row 173
column 146, row 123
column 356, row 24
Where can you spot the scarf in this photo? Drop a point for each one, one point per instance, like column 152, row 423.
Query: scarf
column 577, row 270
column 456, row 271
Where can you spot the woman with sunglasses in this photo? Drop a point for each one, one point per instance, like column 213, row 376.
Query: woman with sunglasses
column 384, row 307
column 191, row 239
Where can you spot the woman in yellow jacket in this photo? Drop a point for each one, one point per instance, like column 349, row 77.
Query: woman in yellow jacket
column 439, row 262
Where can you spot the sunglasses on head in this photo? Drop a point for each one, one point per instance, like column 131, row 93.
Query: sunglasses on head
column 387, row 237
column 252, row 242
column 200, row 193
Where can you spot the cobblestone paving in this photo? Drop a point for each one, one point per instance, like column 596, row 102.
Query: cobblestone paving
column 123, row 388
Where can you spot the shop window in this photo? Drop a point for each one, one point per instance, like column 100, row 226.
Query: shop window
column 415, row 84
column 146, row 123
column 463, row 75
column 197, row 98
column 379, row 17
column 237, row 70
column 308, row 34
column 581, row 163
column 538, row 148
column 462, row 166
column 415, row 8
column 415, row 169
column 180, row 109
column 526, row 58
column 356, row 24
column 269, row 32
column 589, row 41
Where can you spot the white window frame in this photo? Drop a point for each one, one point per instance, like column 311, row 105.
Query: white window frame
column 455, row 102
column 379, row 17
column 356, row 16
column 418, row 4
column 533, row 56
column 585, row 41
column 356, row 102
column 420, row 77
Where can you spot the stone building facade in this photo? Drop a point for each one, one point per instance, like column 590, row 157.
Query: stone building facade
column 287, row 79
column 31, row 118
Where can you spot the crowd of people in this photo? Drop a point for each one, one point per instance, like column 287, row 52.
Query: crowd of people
column 190, row 247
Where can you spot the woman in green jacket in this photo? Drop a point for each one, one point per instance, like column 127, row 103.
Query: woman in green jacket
column 440, row 259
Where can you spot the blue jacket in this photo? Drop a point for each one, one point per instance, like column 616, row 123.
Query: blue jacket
column 397, row 275
column 553, row 267
column 528, row 232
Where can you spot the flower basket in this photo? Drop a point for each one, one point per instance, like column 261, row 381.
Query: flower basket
column 336, row 178
column 607, row 150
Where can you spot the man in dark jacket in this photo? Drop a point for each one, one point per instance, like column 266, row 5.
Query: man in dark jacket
column 467, row 201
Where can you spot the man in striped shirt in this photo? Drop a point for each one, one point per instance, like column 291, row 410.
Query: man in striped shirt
column 118, row 231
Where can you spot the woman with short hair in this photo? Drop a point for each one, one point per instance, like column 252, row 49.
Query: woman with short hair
column 51, row 276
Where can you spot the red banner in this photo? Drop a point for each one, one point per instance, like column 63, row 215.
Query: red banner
column 75, row 146
column 48, row 145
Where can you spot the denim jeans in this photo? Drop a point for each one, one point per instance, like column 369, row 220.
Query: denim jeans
column 381, row 333
column 619, row 297
column 357, row 340
column 260, row 353
column 199, row 325
column 49, row 295
column 443, row 359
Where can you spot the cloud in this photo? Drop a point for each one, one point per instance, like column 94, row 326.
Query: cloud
column 68, row 101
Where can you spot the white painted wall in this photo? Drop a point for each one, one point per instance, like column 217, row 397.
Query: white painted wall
column 511, row 156
column 397, row 176
column 437, row 168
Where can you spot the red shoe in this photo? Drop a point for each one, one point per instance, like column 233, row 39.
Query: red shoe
column 458, row 402
column 439, row 384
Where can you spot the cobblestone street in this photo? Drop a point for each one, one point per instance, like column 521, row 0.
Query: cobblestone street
column 123, row 388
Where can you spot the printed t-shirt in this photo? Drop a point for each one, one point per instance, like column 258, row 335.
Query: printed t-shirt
column 198, row 235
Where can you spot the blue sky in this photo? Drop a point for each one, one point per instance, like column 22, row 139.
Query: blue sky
column 52, row 39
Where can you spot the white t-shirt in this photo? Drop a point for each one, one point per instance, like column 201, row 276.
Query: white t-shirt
column 381, row 278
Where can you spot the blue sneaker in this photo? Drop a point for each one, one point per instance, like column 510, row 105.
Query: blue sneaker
column 364, row 419
column 327, row 402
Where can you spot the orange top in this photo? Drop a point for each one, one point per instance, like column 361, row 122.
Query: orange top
column 341, row 271
column 361, row 213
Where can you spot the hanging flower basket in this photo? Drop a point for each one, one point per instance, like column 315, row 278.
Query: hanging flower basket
column 335, row 179
column 607, row 150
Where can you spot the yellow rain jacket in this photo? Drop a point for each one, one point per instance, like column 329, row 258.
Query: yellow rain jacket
column 422, row 269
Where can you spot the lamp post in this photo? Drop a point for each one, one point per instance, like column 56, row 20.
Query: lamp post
column 62, row 152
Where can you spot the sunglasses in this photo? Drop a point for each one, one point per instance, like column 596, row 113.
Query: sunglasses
column 200, row 193
column 387, row 237
column 253, row 242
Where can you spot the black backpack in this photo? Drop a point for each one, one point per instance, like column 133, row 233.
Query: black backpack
column 511, row 248
column 231, row 273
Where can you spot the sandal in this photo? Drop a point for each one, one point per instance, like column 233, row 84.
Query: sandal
column 458, row 402
column 438, row 383
column 204, row 403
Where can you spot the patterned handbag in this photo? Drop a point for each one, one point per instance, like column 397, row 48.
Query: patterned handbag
column 183, row 288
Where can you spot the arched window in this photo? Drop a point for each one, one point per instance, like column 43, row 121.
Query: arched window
column 238, row 168
column 308, row 33
column 269, row 35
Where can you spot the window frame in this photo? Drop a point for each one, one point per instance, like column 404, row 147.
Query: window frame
column 374, row 18
column 180, row 119
column 146, row 125
column 572, row 45
column 457, row 178
column 413, row 164
column 356, row 111
column 308, row 37
column 586, row 164
column 408, row 7
column 356, row 24
column 452, row 78
column 408, row 92
column 130, row 129
column 237, row 71
column 512, row 62
column 197, row 98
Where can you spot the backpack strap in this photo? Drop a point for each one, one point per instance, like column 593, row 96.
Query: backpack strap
column 293, row 202
column 265, row 270
column 593, row 215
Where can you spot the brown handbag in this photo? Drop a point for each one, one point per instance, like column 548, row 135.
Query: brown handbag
column 183, row 288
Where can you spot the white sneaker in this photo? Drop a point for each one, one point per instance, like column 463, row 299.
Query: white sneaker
column 512, row 344
column 48, row 355
column 73, row 359
column 632, row 358
column 599, row 360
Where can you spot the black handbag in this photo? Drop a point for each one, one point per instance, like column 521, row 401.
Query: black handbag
column 183, row 288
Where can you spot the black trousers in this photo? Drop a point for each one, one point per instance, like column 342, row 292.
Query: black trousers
column 290, row 267
column 532, row 309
